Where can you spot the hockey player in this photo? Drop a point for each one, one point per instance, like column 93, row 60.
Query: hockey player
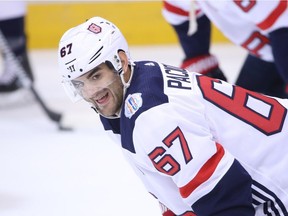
column 12, row 26
column 195, row 44
column 200, row 145
column 259, row 26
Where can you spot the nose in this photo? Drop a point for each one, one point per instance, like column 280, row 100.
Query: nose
column 88, row 91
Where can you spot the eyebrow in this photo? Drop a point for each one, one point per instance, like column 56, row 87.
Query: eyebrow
column 92, row 72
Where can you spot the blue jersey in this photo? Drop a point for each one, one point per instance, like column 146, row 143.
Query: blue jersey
column 202, row 145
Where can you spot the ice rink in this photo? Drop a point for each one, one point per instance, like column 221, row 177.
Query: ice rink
column 47, row 172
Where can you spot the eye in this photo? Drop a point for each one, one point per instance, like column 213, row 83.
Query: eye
column 95, row 76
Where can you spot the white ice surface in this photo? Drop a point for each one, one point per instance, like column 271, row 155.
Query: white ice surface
column 46, row 172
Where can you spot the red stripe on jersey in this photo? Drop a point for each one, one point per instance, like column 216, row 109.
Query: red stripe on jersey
column 168, row 213
column 189, row 214
column 175, row 10
column 271, row 19
column 204, row 173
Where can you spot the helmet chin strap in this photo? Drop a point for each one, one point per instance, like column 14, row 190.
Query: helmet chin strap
column 125, row 87
column 126, row 84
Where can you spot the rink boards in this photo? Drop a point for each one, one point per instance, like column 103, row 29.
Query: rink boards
column 140, row 21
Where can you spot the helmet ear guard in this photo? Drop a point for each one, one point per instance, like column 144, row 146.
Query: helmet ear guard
column 86, row 46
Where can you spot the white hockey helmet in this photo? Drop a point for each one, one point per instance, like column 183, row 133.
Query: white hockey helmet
column 86, row 46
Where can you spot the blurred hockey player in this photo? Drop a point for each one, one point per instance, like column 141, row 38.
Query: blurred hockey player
column 200, row 145
column 12, row 26
column 261, row 27
column 195, row 44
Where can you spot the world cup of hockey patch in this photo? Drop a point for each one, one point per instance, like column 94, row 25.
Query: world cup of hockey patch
column 132, row 104
column 94, row 28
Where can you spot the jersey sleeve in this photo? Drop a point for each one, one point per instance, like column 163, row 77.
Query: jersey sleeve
column 177, row 142
column 267, row 15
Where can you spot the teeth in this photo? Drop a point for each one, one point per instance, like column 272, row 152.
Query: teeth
column 101, row 98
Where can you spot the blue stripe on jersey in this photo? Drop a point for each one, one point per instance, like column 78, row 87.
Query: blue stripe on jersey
column 261, row 192
column 230, row 197
column 266, row 204
column 147, row 80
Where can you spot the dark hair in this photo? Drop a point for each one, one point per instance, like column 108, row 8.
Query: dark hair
column 110, row 65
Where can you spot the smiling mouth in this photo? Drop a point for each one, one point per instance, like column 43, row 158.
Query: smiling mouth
column 103, row 99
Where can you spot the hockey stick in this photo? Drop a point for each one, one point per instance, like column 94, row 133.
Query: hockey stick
column 26, row 81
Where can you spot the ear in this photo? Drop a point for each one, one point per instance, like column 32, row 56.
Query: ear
column 124, row 60
column 125, row 65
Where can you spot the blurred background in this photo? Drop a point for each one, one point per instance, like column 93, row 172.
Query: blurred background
column 140, row 21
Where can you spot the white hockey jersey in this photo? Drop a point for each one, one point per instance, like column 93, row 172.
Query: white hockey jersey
column 187, row 135
column 245, row 23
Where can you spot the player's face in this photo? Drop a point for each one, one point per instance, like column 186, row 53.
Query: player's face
column 103, row 88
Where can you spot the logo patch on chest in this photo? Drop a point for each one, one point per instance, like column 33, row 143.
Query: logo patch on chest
column 132, row 104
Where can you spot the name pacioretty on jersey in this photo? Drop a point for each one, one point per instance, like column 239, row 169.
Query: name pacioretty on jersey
column 177, row 77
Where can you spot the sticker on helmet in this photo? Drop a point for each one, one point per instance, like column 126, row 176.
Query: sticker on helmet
column 94, row 28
